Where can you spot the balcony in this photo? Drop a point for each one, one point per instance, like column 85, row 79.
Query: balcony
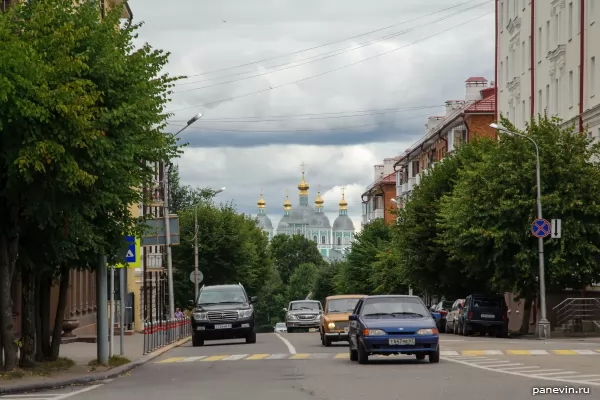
column 412, row 182
column 375, row 214
column 156, row 195
column 154, row 261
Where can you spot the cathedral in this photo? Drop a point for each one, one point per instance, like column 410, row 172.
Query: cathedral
column 312, row 223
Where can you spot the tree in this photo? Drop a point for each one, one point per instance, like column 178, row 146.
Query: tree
column 81, row 115
column 356, row 275
column 487, row 219
column 302, row 281
column 289, row 252
column 324, row 285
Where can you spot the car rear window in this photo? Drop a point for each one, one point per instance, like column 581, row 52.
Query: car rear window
column 447, row 304
column 488, row 302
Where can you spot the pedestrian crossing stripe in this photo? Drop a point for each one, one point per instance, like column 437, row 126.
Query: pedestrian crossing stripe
column 345, row 356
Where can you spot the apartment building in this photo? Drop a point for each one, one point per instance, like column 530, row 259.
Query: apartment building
column 463, row 120
column 547, row 61
column 377, row 200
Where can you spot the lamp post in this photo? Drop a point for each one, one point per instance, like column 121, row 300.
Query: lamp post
column 168, row 228
column 543, row 324
column 196, row 282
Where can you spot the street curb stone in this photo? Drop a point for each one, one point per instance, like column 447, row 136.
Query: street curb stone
column 93, row 377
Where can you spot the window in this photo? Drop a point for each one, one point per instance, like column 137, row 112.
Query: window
column 570, row 88
column 570, row 22
column 227, row 294
column 593, row 76
column 529, row 52
column 306, row 305
column 342, row 305
column 400, row 307
column 339, row 241
column 501, row 16
column 540, row 105
column 524, row 112
column 298, row 232
column 501, row 72
column 578, row 22
column 506, row 72
column 556, row 102
column 315, row 239
column 523, row 57
column 547, row 36
column 556, row 31
column 548, row 98
column 323, row 240
column 539, row 44
column 591, row 13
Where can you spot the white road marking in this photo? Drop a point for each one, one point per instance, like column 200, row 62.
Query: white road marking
column 538, row 352
column 596, row 377
column 192, row 359
column 491, row 363
column 586, row 352
column 563, row 372
column 537, row 375
column 522, row 369
column 448, row 353
column 235, row 357
column 277, row 356
column 290, row 346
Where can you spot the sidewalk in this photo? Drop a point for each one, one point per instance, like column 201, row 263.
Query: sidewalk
column 82, row 354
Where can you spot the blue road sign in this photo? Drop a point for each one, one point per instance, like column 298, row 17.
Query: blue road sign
column 541, row 228
column 131, row 249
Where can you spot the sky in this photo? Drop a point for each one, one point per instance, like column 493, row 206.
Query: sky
column 336, row 85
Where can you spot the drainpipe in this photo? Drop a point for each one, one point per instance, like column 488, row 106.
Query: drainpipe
column 467, row 125
column 532, row 62
column 582, row 64
column 496, row 64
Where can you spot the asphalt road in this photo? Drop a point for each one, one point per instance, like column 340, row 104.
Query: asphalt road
column 297, row 367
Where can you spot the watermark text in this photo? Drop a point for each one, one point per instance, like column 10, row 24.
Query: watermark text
column 560, row 390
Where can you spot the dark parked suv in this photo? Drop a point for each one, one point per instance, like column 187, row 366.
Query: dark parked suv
column 484, row 314
column 223, row 312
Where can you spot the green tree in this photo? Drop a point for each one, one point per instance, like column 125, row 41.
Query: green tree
column 487, row 219
column 357, row 273
column 302, row 281
column 325, row 281
column 81, row 112
column 289, row 252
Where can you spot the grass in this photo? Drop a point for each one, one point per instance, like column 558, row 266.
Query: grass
column 114, row 361
column 41, row 369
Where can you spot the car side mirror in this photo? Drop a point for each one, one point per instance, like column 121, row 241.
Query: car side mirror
column 253, row 299
column 191, row 303
column 285, row 309
column 352, row 317
column 435, row 315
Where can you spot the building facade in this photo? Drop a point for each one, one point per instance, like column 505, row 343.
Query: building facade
column 378, row 200
column 312, row 223
column 547, row 61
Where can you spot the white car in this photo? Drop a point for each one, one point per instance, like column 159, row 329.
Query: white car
column 280, row 327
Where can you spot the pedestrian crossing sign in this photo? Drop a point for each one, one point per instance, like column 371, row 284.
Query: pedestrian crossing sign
column 132, row 257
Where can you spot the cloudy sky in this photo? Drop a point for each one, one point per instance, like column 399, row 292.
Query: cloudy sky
column 335, row 84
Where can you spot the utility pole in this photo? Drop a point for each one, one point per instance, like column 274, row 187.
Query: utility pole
column 101, row 314
column 168, row 241
column 111, row 328
column 196, row 283
column 123, row 290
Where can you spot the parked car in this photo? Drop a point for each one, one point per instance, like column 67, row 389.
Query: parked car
column 334, row 324
column 223, row 312
column 393, row 324
column 280, row 327
column 484, row 314
column 453, row 317
column 442, row 308
column 302, row 315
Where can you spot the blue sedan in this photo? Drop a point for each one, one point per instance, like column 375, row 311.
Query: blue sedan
column 393, row 324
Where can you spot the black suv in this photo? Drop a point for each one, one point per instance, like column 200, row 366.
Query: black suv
column 223, row 312
column 484, row 314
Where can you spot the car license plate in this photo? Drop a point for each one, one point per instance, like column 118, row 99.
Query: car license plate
column 402, row 342
column 487, row 316
column 223, row 326
column 346, row 329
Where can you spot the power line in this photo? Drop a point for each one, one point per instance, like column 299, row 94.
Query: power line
column 332, row 70
column 325, row 55
column 364, row 114
column 330, row 43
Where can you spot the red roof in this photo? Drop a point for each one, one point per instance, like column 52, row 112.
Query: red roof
column 476, row 79
column 485, row 106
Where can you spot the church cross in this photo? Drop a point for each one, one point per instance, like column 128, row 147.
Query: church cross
column 343, row 190
column 303, row 165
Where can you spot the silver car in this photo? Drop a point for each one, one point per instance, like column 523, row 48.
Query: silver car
column 303, row 314
column 280, row 327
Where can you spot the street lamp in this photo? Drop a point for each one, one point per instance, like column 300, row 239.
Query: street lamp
column 543, row 324
column 168, row 228
column 196, row 272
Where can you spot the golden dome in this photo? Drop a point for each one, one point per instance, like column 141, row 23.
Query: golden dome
column 343, row 203
column 319, row 201
column 303, row 185
column 287, row 204
column 261, row 203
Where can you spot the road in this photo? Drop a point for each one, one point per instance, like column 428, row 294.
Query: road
column 297, row 367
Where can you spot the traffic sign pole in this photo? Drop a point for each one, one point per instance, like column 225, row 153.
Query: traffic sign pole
column 196, row 283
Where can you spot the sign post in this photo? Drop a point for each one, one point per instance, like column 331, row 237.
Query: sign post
column 193, row 275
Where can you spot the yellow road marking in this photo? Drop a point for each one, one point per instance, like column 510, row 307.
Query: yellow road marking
column 342, row 355
column 473, row 353
column 257, row 356
column 172, row 359
column 301, row 356
column 564, row 352
column 214, row 358
column 518, row 352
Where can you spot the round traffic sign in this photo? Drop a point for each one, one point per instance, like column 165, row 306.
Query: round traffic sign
column 540, row 228
column 200, row 277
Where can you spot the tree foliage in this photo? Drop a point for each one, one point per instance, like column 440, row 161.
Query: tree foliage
column 289, row 252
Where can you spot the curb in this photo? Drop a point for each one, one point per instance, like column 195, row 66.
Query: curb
column 93, row 377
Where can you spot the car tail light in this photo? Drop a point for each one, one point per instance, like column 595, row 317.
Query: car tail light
column 504, row 316
column 443, row 312
column 471, row 315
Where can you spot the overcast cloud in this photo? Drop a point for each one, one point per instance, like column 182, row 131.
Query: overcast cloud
column 272, row 115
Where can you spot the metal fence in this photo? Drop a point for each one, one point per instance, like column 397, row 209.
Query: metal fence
column 162, row 333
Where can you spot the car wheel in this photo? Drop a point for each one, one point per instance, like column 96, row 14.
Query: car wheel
column 442, row 327
column 251, row 338
column 197, row 341
column 363, row 356
column 353, row 353
column 434, row 357
column 290, row 330
column 327, row 341
column 420, row 356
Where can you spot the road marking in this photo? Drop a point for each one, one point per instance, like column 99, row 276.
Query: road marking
column 235, row 357
column 546, row 376
column 564, row 352
column 278, row 356
column 343, row 355
column 173, row 359
column 473, row 353
column 448, row 353
column 214, row 358
column 192, row 359
column 586, row 352
column 290, row 346
column 48, row 396
column 258, row 356
column 302, row 356
column 520, row 352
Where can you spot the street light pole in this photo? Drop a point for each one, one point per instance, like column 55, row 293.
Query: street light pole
column 168, row 228
column 543, row 324
column 196, row 272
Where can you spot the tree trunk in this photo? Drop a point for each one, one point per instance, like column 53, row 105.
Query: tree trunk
column 39, row 353
column 8, row 256
column 45, row 287
column 28, row 333
column 524, row 330
column 60, row 312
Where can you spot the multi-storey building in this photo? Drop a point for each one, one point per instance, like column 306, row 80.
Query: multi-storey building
column 547, row 61
column 377, row 199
